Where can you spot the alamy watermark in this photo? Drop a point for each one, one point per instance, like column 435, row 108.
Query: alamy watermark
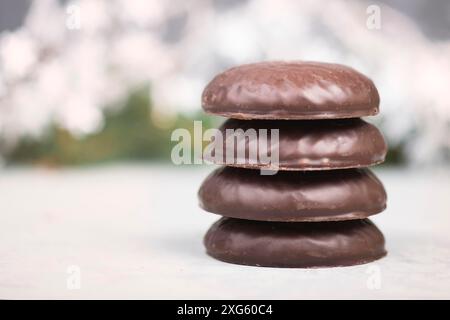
column 373, row 21
column 373, row 281
column 250, row 147
column 73, row 280
column 73, row 19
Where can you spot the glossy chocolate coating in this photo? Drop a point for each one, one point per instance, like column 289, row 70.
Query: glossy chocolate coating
column 311, row 145
column 291, row 90
column 293, row 196
column 295, row 244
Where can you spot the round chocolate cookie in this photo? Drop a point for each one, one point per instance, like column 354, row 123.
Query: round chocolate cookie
column 303, row 144
column 295, row 244
column 293, row 196
column 291, row 90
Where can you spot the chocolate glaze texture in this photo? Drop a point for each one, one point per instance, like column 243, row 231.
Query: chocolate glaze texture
column 295, row 245
column 293, row 196
column 309, row 145
column 291, row 90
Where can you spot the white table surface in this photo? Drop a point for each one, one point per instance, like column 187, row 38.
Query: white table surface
column 135, row 231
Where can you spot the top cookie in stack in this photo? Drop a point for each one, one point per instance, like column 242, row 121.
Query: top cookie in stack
column 291, row 90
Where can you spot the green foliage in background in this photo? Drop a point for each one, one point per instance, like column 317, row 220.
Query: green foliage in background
column 128, row 134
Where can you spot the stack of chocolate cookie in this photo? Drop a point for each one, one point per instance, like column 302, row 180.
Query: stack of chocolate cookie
column 313, row 211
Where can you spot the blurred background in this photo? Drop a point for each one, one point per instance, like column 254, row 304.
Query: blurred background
column 94, row 81
column 91, row 90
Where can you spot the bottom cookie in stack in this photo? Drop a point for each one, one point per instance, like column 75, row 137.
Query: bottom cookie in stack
column 295, row 244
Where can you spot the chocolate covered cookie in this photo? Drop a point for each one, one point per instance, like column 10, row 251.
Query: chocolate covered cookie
column 303, row 145
column 295, row 244
column 293, row 196
column 291, row 90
